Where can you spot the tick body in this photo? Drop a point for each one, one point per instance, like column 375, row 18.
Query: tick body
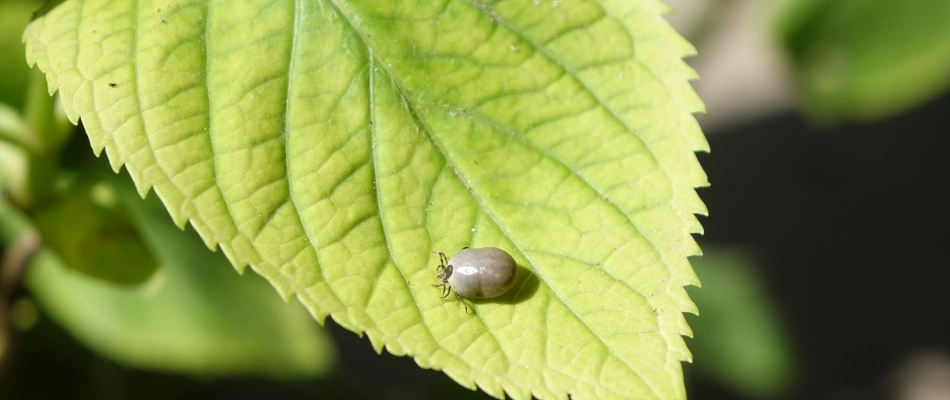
column 477, row 273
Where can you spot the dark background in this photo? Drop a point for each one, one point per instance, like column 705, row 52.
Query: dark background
column 852, row 223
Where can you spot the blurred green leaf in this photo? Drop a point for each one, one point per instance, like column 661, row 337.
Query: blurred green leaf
column 864, row 60
column 25, row 176
column 14, row 71
column 194, row 316
column 739, row 336
column 48, row 124
column 14, row 167
column 90, row 230
column 30, row 143
column 13, row 128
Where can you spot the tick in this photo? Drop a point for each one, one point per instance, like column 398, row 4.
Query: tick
column 480, row 273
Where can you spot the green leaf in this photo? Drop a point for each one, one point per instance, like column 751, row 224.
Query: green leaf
column 740, row 338
column 14, row 16
column 333, row 145
column 90, row 230
column 14, row 157
column 195, row 316
column 867, row 60
column 30, row 143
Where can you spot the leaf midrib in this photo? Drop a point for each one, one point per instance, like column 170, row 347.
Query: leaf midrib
column 371, row 52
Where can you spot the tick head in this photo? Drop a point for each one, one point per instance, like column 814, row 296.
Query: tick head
column 446, row 273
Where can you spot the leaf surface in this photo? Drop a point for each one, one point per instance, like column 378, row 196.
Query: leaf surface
column 333, row 145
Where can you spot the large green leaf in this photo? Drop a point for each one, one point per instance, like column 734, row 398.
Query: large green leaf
column 333, row 145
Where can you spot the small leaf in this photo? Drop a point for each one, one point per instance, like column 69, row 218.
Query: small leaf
column 740, row 338
column 195, row 316
column 333, row 145
column 90, row 230
column 867, row 60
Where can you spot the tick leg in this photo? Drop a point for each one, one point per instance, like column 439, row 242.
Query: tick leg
column 445, row 289
column 462, row 301
column 442, row 261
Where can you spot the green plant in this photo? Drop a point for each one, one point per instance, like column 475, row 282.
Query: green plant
column 332, row 146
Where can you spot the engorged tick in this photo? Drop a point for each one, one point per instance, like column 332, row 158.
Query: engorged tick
column 476, row 273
